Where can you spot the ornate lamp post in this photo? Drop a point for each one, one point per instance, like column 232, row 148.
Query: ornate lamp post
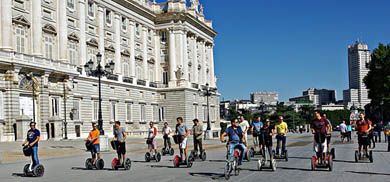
column 99, row 72
column 207, row 91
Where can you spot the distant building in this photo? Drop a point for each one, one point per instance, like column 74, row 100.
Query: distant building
column 331, row 107
column 317, row 96
column 265, row 98
column 358, row 57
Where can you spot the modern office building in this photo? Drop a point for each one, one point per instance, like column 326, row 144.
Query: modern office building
column 163, row 54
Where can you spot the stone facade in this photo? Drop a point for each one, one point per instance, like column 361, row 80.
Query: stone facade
column 163, row 53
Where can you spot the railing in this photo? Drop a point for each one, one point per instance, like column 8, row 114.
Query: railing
column 153, row 84
column 112, row 77
column 127, row 80
column 162, row 85
column 141, row 82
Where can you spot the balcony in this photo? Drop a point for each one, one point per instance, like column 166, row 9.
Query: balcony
column 141, row 82
column 112, row 77
column 128, row 80
column 153, row 84
column 162, row 85
column 195, row 85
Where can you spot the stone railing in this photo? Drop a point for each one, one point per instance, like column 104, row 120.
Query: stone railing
column 112, row 77
column 128, row 80
column 141, row 82
column 162, row 85
column 153, row 84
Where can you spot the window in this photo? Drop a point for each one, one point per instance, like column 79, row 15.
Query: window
column 76, row 109
column 142, row 113
column 139, row 73
column 49, row 46
column 205, row 113
column 165, row 77
column 95, row 110
column 161, row 114
column 90, row 9
column 196, row 111
column 108, row 17
column 71, row 22
column 137, row 27
column 149, row 35
column 55, row 111
column 163, row 36
column 155, row 113
column 151, row 76
column 126, row 70
column 92, row 54
column 141, row 95
column 19, row 4
column 72, row 52
column 47, row 14
column 77, row 130
column 70, row 4
column 163, row 96
column 20, row 35
column 128, row 112
column 1, row 106
column 124, row 27
column 113, row 111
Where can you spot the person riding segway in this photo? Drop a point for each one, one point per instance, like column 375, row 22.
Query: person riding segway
column 331, row 151
column 31, row 150
column 281, row 137
column 166, row 131
column 181, row 138
column 92, row 144
column 118, row 143
column 152, row 145
column 257, row 138
column 197, row 132
column 236, row 139
column 266, row 134
column 363, row 128
column 320, row 128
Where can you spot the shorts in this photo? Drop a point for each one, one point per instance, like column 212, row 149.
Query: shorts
column 317, row 147
column 183, row 144
column 95, row 149
column 121, row 148
column 153, row 145
column 363, row 140
column 328, row 139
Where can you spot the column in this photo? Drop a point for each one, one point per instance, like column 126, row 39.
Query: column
column 132, row 48
column 201, row 63
column 185, row 56
column 36, row 28
column 118, row 62
column 195, row 59
column 62, row 31
column 204, row 65
column 101, row 32
column 1, row 34
column 83, row 39
column 212, row 71
column 157, row 55
column 6, row 13
column 145, row 51
column 172, row 57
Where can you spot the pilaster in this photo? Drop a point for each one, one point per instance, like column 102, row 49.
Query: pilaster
column 118, row 62
column 36, row 28
column 6, row 20
column 101, row 32
column 145, row 51
column 83, row 40
column 62, row 30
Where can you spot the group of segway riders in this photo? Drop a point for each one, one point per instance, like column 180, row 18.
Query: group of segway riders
column 237, row 146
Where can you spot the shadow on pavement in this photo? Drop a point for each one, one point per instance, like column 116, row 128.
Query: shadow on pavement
column 18, row 174
column 380, row 151
column 85, row 169
column 299, row 157
column 161, row 166
column 213, row 176
column 140, row 162
column 216, row 160
column 293, row 169
column 352, row 162
column 368, row 173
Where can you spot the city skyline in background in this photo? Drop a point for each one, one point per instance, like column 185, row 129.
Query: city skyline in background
column 277, row 47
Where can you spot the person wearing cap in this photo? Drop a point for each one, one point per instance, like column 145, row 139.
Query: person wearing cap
column 33, row 136
column 197, row 132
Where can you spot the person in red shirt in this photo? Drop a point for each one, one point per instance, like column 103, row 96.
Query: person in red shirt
column 320, row 127
column 363, row 128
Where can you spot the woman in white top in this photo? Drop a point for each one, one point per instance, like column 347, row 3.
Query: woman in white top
column 152, row 137
column 166, row 131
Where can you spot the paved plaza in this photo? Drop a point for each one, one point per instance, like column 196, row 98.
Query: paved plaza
column 70, row 166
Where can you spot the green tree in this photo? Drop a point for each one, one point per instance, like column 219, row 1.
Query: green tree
column 377, row 80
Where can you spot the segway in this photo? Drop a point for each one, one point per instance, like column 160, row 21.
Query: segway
column 254, row 152
column 283, row 154
column 195, row 155
column 167, row 151
column 366, row 157
column 32, row 170
column 266, row 164
column 116, row 164
column 178, row 161
column 325, row 163
column 151, row 155
column 89, row 164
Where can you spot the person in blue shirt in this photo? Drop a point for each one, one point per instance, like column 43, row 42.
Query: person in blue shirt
column 256, row 132
column 236, row 139
column 349, row 132
column 33, row 136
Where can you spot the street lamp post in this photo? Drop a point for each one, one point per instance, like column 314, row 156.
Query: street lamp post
column 99, row 72
column 207, row 91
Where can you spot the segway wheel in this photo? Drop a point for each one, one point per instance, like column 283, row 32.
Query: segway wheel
column 171, row 152
column 25, row 170
column 236, row 169
column 114, row 164
column 89, row 163
column 371, row 157
column 203, row 156
column 356, row 156
column 147, row 157
column 176, row 161
column 330, row 163
column 99, row 164
column 260, row 164
column 190, row 162
column 158, row 157
column 128, row 164
column 227, row 171
column 163, row 151
column 333, row 152
column 286, row 155
column 191, row 156
column 313, row 163
column 273, row 165
column 38, row 170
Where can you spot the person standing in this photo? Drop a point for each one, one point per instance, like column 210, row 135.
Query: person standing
column 329, row 135
column 182, row 131
column 33, row 136
column 343, row 131
column 197, row 132
column 93, row 137
column 256, row 132
column 120, row 138
column 378, row 131
column 166, row 131
column 152, row 137
column 320, row 127
column 349, row 132
column 244, row 124
column 281, row 130
column 363, row 128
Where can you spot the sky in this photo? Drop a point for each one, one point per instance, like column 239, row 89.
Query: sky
column 289, row 46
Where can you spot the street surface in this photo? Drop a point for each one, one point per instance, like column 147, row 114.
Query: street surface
column 69, row 166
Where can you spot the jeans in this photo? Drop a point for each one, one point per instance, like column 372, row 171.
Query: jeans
column 35, row 156
column 198, row 143
column 283, row 139
column 240, row 146
column 378, row 135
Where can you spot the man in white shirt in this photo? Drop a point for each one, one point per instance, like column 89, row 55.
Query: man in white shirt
column 244, row 126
